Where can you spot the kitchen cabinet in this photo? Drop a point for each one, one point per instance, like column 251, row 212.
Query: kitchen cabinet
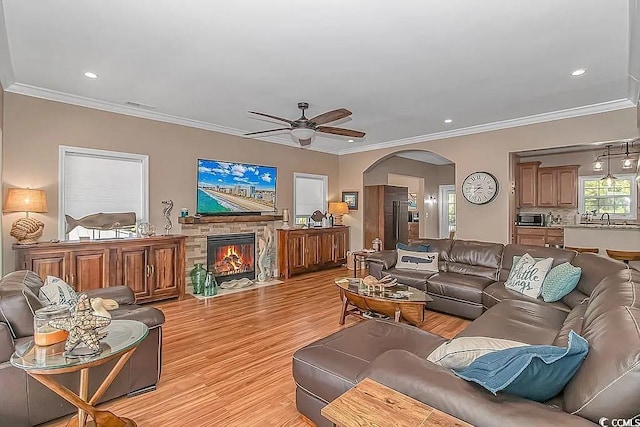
column 558, row 187
column 152, row 267
column 310, row 249
column 550, row 187
column 527, row 184
column 539, row 236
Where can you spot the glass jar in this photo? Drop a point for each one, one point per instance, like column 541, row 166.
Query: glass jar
column 43, row 334
column 198, row 276
column 377, row 244
column 210, row 285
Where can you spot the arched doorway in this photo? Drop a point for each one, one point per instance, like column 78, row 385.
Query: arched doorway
column 430, row 187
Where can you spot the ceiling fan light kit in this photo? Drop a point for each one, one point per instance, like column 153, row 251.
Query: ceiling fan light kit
column 303, row 130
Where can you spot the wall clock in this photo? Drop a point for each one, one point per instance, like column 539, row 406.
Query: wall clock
column 480, row 188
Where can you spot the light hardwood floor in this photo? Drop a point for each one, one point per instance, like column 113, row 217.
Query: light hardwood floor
column 227, row 360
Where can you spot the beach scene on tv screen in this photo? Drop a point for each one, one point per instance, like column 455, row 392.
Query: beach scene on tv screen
column 235, row 187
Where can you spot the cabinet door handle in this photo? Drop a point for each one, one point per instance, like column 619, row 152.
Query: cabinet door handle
column 66, row 278
column 73, row 281
column 148, row 268
column 153, row 269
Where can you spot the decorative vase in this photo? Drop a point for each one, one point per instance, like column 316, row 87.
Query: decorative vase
column 210, row 285
column 198, row 277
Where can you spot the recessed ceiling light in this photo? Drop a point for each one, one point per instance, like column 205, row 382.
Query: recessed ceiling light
column 578, row 72
column 91, row 75
column 447, row 121
column 351, row 140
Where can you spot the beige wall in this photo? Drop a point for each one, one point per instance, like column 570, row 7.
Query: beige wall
column 35, row 128
column 490, row 151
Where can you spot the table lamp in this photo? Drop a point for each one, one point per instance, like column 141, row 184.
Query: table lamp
column 26, row 230
column 337, row 209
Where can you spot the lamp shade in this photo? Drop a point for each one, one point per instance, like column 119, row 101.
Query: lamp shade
column 338, row 208
column 25, row 200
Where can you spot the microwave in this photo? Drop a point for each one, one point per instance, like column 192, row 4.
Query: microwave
column 531, row 219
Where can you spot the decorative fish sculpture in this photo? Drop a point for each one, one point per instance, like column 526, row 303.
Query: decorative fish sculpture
column 102, row 221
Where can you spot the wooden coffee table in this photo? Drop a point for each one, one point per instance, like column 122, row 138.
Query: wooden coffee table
column 370, row 404
column 401, row 302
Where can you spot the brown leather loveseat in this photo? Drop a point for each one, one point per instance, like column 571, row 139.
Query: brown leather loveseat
column 24, row 401
column 604, row 309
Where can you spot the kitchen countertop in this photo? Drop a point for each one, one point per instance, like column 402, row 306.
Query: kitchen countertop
column 605, row 226
column 592, row 225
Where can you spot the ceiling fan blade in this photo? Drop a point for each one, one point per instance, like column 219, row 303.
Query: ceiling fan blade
column 341, row 131
column 331, row 116
column 305, row 142
column 272, row 117
column 266, row 131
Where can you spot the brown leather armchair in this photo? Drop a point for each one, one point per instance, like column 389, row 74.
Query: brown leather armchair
column 24, row 401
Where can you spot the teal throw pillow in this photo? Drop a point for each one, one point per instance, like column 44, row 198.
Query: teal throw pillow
column 535, row 372
column 560, row 280
column 414, row 248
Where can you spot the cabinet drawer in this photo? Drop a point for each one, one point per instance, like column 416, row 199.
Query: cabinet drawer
column 555, row 232
column 555, row 240
column 531, row 231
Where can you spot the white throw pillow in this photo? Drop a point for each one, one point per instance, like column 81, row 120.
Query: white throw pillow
column 422, row 261
column 459, row 353
column 527, row 276
column 57, row 291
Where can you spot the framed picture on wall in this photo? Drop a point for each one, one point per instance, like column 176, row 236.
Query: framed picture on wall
column 351, row 199
column 413, row 201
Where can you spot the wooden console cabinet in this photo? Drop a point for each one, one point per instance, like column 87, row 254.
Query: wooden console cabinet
column 152, row 267
column 311, row 249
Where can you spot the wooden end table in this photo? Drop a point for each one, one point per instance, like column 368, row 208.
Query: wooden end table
column 123, row 337
column 399, row 302
column 358, row 257
column 371, row 404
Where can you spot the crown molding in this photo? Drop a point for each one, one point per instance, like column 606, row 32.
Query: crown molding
column 53, row 95
column 602, row 107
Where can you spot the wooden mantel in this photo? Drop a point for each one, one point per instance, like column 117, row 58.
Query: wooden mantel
column 228, row 219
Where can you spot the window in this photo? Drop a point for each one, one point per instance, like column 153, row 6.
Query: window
column 309, row 195
column 447, row 212
column 618, row 200
column 94, row 181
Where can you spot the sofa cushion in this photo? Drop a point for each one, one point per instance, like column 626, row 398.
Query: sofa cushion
column 560, row 280
column 459, row 286
column 523, row 321
column 330, row 366
column 419, row 261
column 480, row 259
column 527, row 275
column 608, row 383
column 574, row 298
column 150, row 316
column 559, row 256
column 18, row 302
column 442, row 246
column 496, row 292
column 595, row 268
column 460, row 352
column 413, row 278
column 537, row 372
column 573, row 322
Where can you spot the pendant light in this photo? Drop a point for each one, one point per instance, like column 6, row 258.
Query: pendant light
column 609, row 179
column 627, row 162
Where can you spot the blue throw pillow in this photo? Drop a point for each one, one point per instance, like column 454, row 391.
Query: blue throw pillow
column 560, row 280
column 414, row 248
column 537, row 372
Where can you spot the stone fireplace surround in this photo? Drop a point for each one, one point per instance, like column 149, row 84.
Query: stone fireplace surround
column 197, row 230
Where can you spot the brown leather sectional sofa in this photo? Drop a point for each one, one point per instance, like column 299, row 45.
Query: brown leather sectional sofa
column 604, row 308
column 24, row 401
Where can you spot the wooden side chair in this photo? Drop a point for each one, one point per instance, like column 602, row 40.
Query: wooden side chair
column 624, row 256
column 580, row 250
column 452, row 234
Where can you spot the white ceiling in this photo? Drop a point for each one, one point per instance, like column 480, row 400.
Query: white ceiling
column 402, row 67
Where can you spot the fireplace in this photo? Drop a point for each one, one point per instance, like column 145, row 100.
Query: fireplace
column 232, row 256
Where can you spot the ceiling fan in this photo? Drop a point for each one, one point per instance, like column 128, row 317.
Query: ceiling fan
column 303, row 130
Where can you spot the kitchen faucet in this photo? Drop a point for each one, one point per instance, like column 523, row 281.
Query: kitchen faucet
column 608, row 218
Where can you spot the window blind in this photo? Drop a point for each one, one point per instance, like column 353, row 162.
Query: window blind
column 310, row 195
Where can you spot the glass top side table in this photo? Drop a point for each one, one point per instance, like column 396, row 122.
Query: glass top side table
column 123, row 337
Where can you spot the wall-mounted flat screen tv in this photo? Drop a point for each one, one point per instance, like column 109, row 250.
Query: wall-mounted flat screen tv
column 228, row 188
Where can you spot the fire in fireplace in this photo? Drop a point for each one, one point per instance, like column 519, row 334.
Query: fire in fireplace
column 232, row 256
